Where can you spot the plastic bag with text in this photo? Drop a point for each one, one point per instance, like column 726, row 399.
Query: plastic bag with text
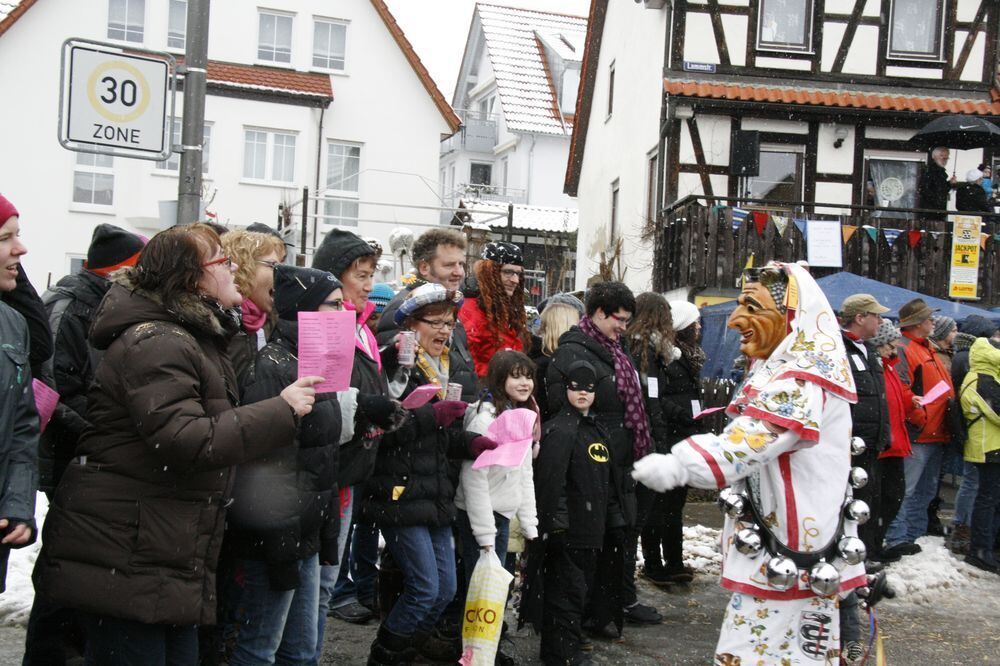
column 484, row 607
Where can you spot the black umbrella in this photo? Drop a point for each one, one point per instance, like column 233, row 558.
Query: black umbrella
column 960, row 132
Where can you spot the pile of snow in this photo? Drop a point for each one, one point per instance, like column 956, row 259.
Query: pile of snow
column 934, row 572
column 15, row 602
column 702, row 549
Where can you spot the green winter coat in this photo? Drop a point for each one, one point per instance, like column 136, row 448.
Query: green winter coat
column 980, row 399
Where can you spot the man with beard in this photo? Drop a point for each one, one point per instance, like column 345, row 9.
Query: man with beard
column 789, row 545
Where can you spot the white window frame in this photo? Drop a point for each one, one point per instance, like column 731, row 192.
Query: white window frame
column 652, row 172
column 614, row 209
column 74, row 256
column 776, row 47
column 343, row 196
column 269, row 150
column 918, row 57
column 142, row 28
column 172, row 165
column 93, row 170
column 172, row 47
column 312, row 54
column 790, row 148
column 274, row 47
column 611, row 91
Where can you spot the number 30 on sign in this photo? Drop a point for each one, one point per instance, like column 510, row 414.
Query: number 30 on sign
column 115, row 101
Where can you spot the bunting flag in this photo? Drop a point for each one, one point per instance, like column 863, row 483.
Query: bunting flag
column 913, row 237
column 802, row 225
column 739, row 217
column 848, row 232
column 871, row 231
column 760, row 219
column 781, row 223
column 891, row 235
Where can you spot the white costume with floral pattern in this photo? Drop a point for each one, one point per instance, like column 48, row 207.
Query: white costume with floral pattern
column 799, row 478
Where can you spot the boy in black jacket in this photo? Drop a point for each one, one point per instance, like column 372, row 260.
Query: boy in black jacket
column 574, row 501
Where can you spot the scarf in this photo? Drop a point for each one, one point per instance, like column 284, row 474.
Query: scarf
column 629, row 391
column 253, row 317
column 426, row 366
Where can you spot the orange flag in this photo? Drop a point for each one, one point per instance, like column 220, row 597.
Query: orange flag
column 848, row 232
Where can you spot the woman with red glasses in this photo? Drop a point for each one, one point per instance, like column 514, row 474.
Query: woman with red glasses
column 133, row 533
column 495, row 320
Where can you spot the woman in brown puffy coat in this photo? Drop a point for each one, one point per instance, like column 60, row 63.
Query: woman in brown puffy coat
column 132, row 537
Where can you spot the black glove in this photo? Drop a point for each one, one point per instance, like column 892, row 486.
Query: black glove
column 378, row 409
column 876, row 590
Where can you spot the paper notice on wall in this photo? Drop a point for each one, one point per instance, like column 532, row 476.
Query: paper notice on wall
column 824, row 244
column 964, row 279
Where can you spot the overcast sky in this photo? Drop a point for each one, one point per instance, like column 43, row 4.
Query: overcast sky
column 438, row 30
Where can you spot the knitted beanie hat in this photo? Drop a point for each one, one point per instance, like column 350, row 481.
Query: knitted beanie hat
column 112, row 248
column 7, row 210
column 887, row 333
column 298, row 289
column 942, row 327
column 339, row 250
column 380, row 295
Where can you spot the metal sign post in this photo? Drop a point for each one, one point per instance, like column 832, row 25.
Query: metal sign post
column 116, row 101
column 193, row 128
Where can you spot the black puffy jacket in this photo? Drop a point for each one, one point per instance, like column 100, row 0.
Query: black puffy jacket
column 681, row 385
column 285, row 504
column 608, row 410
column 71, row 305
column 412, row 484
column 870, row 416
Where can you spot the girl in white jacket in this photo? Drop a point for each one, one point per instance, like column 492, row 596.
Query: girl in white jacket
column 489, row 497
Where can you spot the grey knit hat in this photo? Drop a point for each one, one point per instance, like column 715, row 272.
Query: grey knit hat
column 886, row 334
column 942, row 327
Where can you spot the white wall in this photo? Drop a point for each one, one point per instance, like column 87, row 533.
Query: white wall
column 618, row 147
column 379, row 103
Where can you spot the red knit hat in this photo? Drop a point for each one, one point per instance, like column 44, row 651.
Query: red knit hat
column 7, row 210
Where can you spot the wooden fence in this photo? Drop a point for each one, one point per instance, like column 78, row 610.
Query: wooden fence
column 698, row 248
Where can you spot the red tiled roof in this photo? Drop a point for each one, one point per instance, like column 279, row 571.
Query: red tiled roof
column 833, row 98
column 442, row 104
column 14, row 11
column 271, row 79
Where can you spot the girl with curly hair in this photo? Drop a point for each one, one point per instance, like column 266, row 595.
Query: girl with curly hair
column 495, row 320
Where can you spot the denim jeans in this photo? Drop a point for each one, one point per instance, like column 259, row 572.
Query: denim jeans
column 985, row 509
column 850, row 621
column 921, row 470
column 328, row 574
column 276, row 626
column 426, row 556
column 356, row 582
column 115, row 642
column 470, row 547
column 966, row 495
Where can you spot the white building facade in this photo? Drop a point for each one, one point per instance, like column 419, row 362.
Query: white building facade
column 301, row 93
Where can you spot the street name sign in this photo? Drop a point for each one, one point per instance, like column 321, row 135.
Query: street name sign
column 116, row 100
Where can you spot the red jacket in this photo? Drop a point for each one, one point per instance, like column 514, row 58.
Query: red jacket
column 482, row 335
column 918, row 360
column 901, row 409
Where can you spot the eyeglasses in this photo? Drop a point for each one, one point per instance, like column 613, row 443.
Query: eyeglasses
column 438, row 325
column 336, row 303
column 624, row 321
column 226, row 261
column 269, row 264
column 511, row 273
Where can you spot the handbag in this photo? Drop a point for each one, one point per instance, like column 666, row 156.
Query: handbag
column 484, row 609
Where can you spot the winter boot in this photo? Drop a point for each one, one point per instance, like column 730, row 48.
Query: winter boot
column 983, row 559
column 391, row 649
column 958, row 541
column 435, row 646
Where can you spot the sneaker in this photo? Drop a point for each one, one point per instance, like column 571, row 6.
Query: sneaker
column 982, row 559
column 353, row 612
column 894, row 553
column 885, row 556
column 641, row 614
column 853, row 653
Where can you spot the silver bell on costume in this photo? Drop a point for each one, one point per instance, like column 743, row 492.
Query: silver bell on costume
column 824, row 579
column 732, row 503
column 858, row 446
column 782, row 573
column 858, row 510
column 748, row 541
column 852, row 549
column 858, row 477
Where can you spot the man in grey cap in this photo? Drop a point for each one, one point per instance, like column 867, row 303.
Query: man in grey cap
column 860, row 316
column 920, row 369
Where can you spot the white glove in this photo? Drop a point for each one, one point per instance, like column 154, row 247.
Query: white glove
column 659, row 471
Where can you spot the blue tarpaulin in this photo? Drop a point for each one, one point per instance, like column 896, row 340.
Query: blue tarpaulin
column 722, row 345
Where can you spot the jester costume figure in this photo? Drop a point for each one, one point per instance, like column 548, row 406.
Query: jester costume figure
column 789, row 544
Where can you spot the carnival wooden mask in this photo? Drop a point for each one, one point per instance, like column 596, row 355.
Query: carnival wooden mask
column 760, row 313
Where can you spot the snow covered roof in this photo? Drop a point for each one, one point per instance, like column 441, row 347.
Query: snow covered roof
column 528, row 218
column 11, row 10
column 7, row 6
column 524, row 84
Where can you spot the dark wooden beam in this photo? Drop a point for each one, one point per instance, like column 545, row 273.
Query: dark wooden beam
column 845, row 178
column 848, row 38
column 819, row 9
column 812, row 142
column 720, row 32
column 751, row 54
column 949, row 39
column 680, row 25
column 970, row 40
column 735, row 124
column 883, row 40
column 699, row 156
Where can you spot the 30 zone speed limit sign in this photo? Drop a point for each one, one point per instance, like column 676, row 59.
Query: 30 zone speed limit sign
column 115, row 102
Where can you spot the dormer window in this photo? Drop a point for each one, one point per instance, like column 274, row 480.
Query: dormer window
column 785, row 25
column 567, row 90
column 915, row 30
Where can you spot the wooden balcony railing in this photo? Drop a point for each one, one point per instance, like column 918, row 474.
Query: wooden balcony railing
column 697, row 246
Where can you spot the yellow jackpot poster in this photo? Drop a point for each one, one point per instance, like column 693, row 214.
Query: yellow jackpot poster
column 964, row 280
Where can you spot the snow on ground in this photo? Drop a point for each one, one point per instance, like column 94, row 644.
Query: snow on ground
column 15, row 602
column 934, row 572
column 701, row 549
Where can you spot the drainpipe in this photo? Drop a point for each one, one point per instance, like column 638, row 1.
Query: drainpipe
column 531, row 157
column 319, row 158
